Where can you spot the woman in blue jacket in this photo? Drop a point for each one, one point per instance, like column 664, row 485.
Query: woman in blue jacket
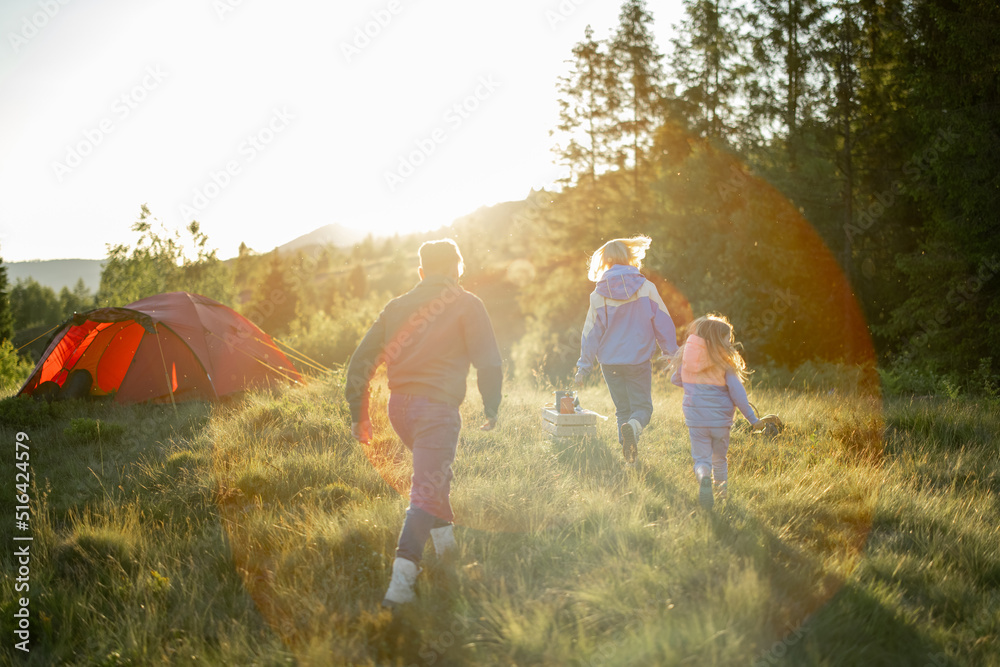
column 626, row 321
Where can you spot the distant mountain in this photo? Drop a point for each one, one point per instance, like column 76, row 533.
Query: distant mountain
column 58, row 273
column 491, row 220
column 338, row 235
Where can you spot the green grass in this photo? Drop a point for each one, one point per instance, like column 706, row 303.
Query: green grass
column 260, row 533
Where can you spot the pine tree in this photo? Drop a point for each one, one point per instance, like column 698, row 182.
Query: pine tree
column 276, row 301
column 33, row 305
column 840, row 60
column 6, row 318
column 584, row 111
column 947, row 322
column 709, row 67
column 357, row 282
column 638, row 88
column 787, row 40
column 76, row 300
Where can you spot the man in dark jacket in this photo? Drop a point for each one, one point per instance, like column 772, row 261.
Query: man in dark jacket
column 427, row 338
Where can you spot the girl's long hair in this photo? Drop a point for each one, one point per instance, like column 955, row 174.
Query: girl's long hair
column 629, row 252
column 720, row 342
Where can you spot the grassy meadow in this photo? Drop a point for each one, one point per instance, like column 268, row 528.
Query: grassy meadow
column 259, row 533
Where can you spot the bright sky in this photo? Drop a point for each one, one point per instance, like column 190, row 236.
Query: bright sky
column 264, row 120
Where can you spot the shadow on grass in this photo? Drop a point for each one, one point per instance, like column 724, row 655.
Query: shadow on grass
column 590, row 458
column 432, row 630
column 791, row 570
column 856, row 628
column 826, row 620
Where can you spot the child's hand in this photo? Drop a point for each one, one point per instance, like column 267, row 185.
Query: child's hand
column 770, row 425
column 488, row 425
column 580, row 376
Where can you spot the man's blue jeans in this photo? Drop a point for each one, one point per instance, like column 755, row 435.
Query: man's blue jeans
column 429, row 429
column 631, row 387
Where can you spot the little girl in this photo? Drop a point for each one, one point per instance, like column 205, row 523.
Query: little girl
column 711, row 371
column 627, row 319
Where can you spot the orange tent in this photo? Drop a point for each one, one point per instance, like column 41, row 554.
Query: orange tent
column 169, row 347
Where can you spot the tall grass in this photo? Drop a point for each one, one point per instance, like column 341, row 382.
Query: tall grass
column 260, row 533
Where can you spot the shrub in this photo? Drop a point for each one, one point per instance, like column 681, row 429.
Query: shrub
column 926, row 377
column 546, row 357
column 26, row 412
column 14, row 369
column 95, row 554
column 818, row 376
column 331, row 339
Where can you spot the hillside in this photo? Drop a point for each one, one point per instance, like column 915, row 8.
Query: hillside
column 58, row 273
column 334, row 234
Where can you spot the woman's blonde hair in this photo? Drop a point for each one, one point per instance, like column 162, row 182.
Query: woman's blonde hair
column 720, row 342
column 629, row 252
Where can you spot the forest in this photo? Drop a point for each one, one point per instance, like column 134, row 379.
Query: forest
column 823, row 173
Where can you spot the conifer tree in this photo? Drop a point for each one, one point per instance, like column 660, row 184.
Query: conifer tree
column 947, row 321
column 638, row 86
column 33, row 305
column 841, row 56
column 76, row 300
column 787, row 41
column 276, row 301
column 585, row 106
column 709, row 67
column 357, row 282
column 6, row 318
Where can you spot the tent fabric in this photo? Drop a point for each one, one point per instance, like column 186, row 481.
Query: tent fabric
column 168, row 347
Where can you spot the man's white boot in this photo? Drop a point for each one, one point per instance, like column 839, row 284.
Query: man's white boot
column 444, row 540
column 404, row 576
